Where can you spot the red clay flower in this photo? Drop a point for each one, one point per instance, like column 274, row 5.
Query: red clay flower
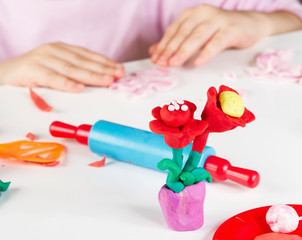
column 218, row 121
column 175, row 121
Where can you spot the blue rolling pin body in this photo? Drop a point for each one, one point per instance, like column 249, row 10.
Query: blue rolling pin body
column 133, row 145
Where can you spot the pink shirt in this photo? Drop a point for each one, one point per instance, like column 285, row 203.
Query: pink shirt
column 120, row 29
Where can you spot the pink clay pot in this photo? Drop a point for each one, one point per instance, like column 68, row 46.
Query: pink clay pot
column 183, row 211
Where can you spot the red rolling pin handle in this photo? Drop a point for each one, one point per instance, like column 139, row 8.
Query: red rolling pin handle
column 221, row 170
column 64, row 130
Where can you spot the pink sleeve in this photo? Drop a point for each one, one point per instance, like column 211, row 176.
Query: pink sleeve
column 292, row 6
column 169, row 11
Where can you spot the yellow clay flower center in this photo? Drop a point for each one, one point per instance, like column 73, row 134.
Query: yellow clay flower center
column 231, row 104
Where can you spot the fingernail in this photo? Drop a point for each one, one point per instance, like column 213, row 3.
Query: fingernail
column 162, row 61
column 154, row 58
column 108, row 77
column 199, row 61
column 174, row 61
column 118, row 72
column 79, row 85
column 151, row 49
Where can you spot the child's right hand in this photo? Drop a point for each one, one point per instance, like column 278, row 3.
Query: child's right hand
column 60, row 66
column 206, row 30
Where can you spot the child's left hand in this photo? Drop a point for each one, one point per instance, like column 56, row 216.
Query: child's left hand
column 212, row 30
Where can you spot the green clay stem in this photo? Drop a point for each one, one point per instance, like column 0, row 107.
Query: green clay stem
column 177, row 156
column 174, row 169
column 192, row 162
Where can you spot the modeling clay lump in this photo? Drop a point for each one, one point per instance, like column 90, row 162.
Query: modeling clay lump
column 39, row 101
column 98, row 164
column 46, row 153
column 175, row 122
column 217, row 119
column 144, row 82
column 31, row 136
column 231, row 103
column 282, row 218
column 274, row 65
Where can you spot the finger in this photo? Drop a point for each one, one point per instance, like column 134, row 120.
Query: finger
column 81, row 75
column 171, row 30
column 184, row 30
column 220, row 41
column 80, row 61
column 200, row 35
column 48, row 78
column 152, row 48
column 93, row 56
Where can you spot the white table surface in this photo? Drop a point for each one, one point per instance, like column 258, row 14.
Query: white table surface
column 119, row 201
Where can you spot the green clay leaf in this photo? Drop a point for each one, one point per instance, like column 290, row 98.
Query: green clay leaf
column 176, row 187
column 170, row 165
column 4, row 186
column 162, row 165
column 201, row 174
column 187, row 178
column 173, row 169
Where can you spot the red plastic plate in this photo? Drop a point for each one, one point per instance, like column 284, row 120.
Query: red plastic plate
column 250, row 224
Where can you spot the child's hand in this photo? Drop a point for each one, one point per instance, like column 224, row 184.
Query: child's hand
column 60, row 66
column 210, row 30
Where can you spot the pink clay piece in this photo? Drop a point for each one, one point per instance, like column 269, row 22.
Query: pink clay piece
column 282, row 218
column 144, row 82
column 229, row 75
column 274, row 65
column 183, row 211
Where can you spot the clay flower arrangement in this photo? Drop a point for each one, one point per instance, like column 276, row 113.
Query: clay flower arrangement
column 182, row 197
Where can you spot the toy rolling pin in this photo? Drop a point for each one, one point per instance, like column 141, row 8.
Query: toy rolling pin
column 146, row 149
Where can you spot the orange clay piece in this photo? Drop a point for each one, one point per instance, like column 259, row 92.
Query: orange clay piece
column 46, row 153
column 100, row 163
column 39, row 101
column 31, row 136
